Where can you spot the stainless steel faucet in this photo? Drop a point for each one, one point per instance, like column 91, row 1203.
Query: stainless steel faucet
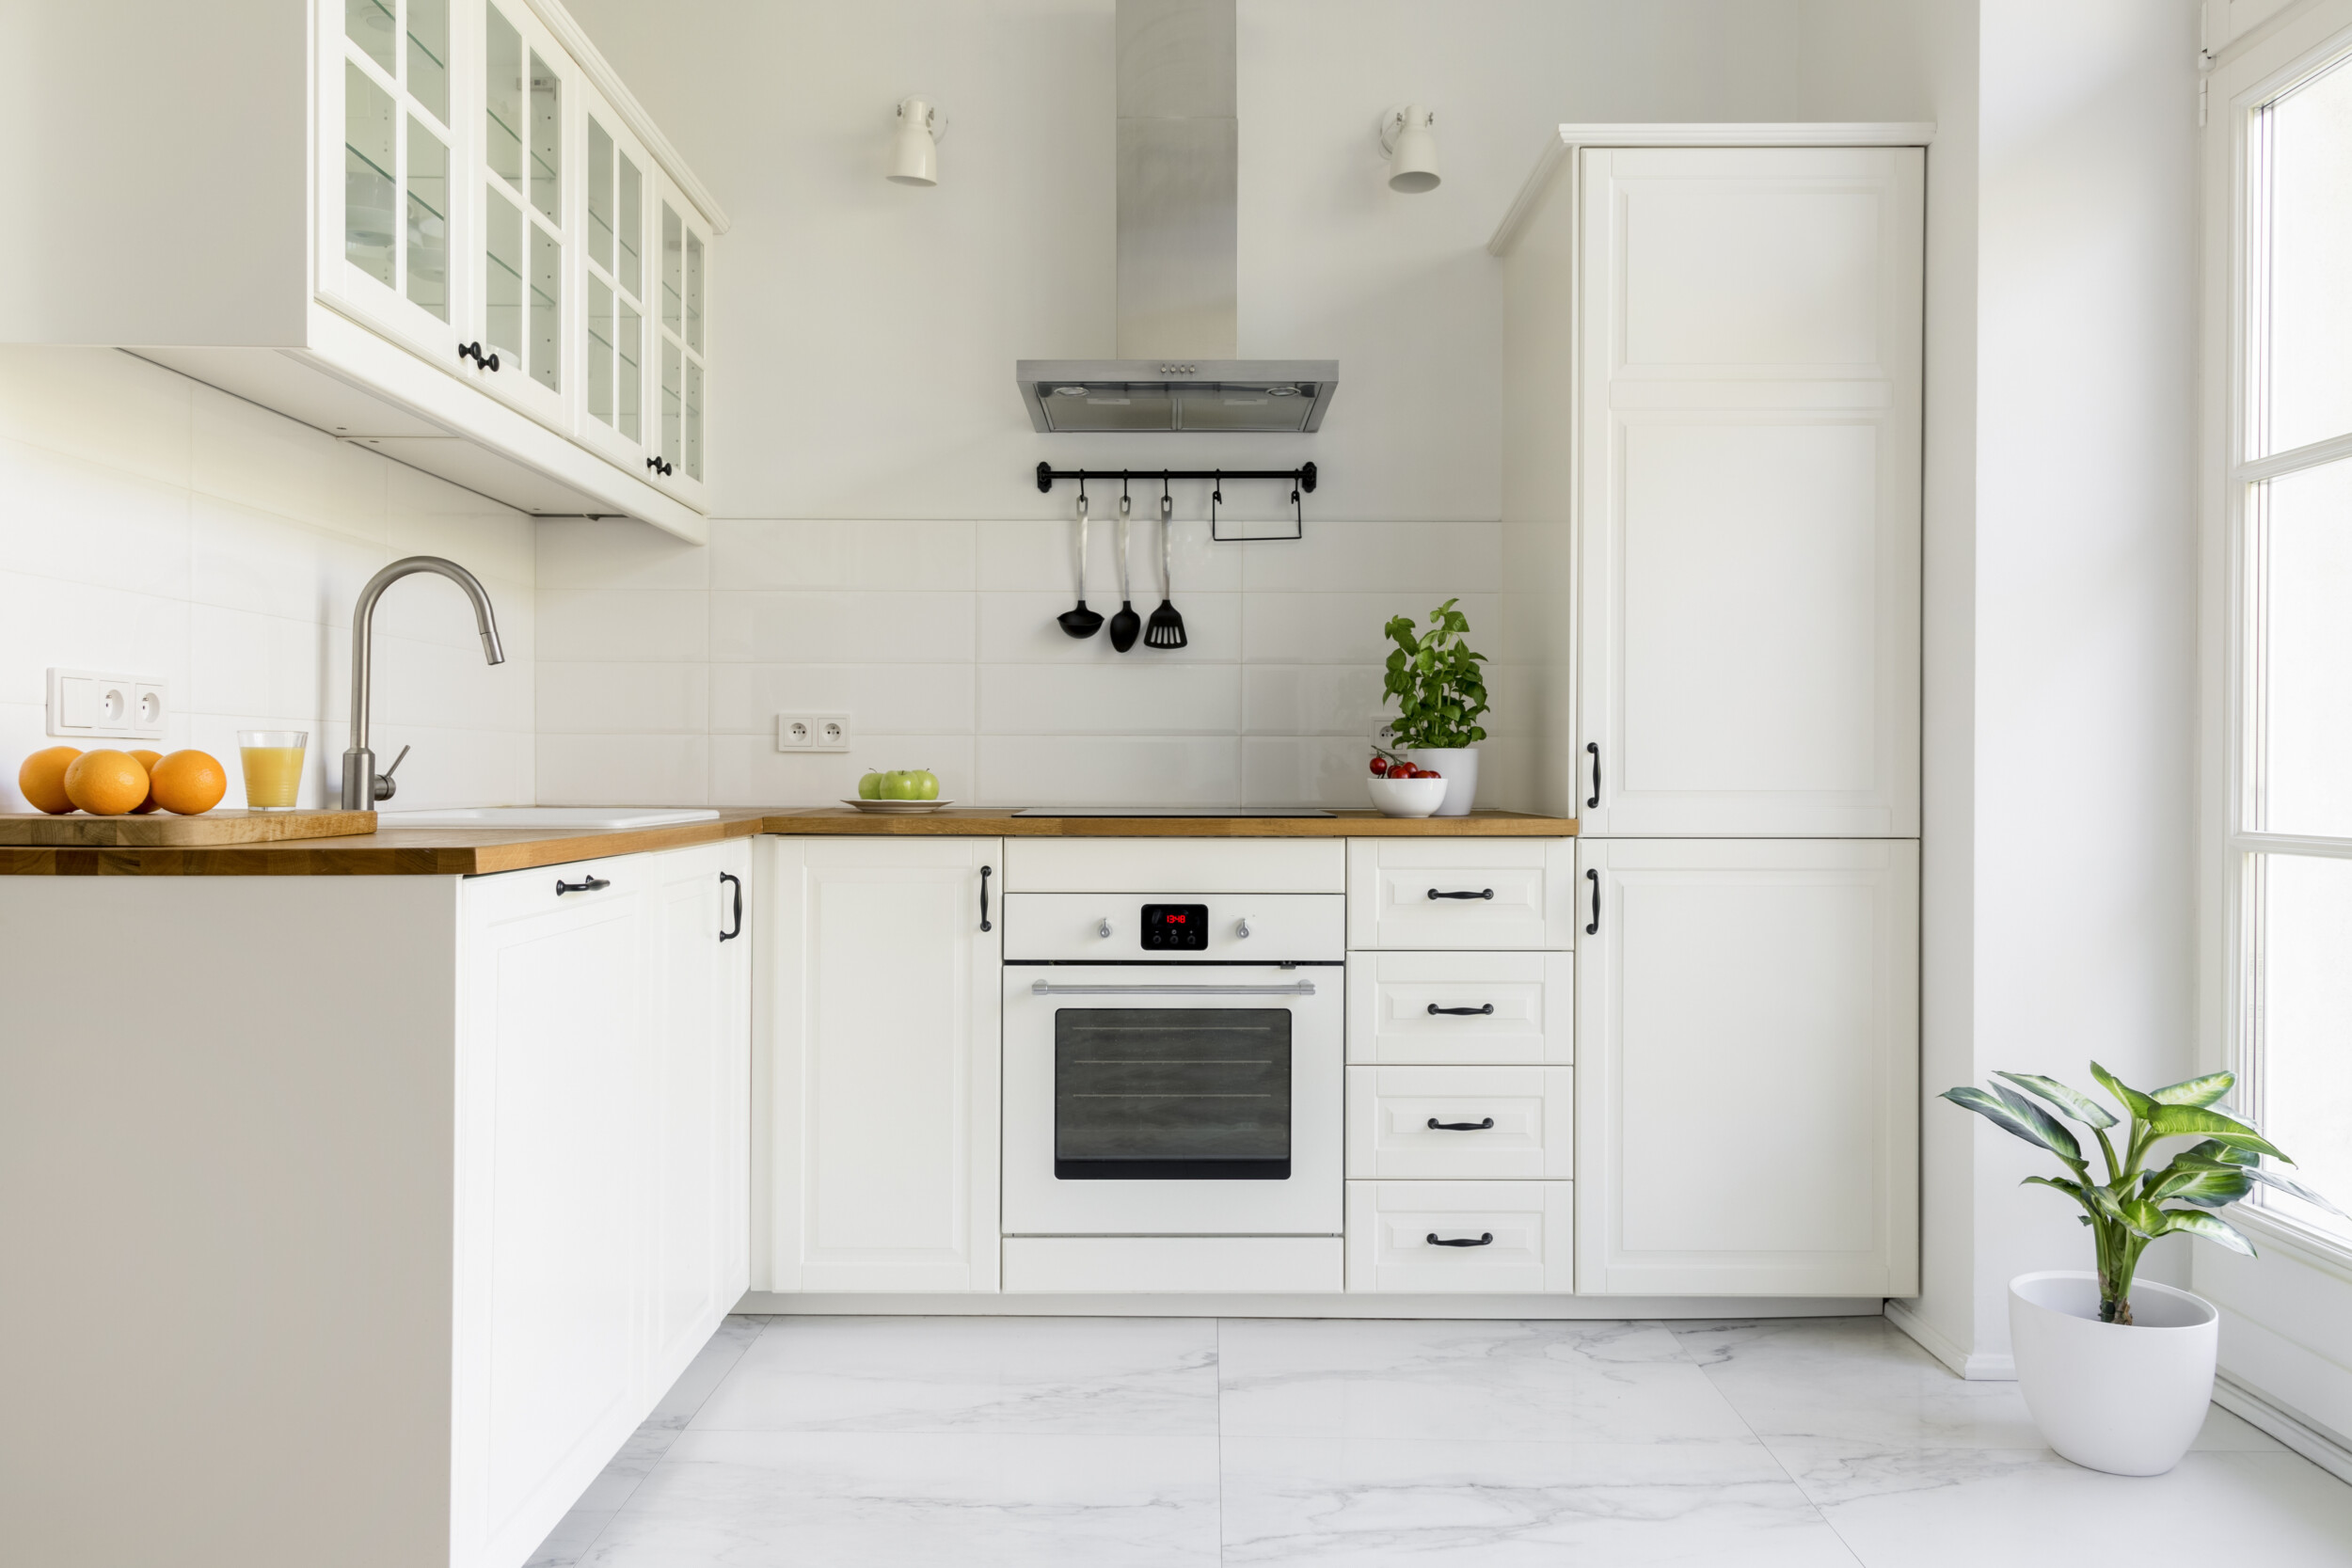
column 362, row 784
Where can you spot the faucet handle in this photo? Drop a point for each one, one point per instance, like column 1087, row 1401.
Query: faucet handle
column 384, row 788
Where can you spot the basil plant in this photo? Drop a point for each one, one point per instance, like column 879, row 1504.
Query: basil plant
column 2136, row 1204
column 1439, row 690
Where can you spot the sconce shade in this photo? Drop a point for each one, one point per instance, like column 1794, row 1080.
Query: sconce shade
column 1410, row 139
column 915, row 146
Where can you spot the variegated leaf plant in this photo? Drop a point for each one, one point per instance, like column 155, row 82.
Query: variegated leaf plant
column 2130, row 1209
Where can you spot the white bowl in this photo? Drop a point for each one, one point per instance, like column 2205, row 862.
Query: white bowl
column 1406, row 797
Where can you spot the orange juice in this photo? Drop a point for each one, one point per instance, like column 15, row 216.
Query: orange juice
column 273, row 768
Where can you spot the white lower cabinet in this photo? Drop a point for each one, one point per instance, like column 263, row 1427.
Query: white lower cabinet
column 1461, row 1007
column 1460, row 1236
column 1461, row 1123
column 1747, row 1062
column 879, row 1068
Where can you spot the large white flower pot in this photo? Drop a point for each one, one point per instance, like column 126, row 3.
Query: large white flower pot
column 1458, row 765
column 2126, row 1400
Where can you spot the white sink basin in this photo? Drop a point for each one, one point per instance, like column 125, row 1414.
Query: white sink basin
column 544, row 816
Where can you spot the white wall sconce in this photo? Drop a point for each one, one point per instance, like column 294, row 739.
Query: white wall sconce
column 914, row 145
column 1408, row 137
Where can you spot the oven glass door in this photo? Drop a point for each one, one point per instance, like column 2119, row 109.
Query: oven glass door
column 1183, row 1094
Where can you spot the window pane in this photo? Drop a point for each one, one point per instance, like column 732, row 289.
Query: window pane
column 599, row 194
column 2303, row 687
column 693, row 291
column 428, row 55
column 2309, row 329
column 368, row 25
column 673, row 267
column 502, row 277
column 631, row 276
column 672, row 400
column 693, row 464
column 546, row 141
column 428, row 220
column 368, row 202
column 502, row 116
column 2304, row 1032
column 546, row 307
column 629, row 395
column 600, row 335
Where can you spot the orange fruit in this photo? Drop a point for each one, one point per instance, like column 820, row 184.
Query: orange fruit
column 148, row 760
column 42, row 780
column 106, row 783
column 187, row 783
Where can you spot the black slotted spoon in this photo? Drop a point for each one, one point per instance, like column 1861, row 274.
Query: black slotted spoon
column 1081, row 622
column 1166, row 629
column 1126, row 624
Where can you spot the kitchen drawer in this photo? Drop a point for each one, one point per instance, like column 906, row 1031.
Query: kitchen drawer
column 1407, row 1007
column 1389, row 1110
column 1452, row 892
column 1390, row 1225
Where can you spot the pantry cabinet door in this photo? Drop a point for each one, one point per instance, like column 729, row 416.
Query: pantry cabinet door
column 881, row 1063
column 393, row 151
column 1747, row 1069
column 1748, row 498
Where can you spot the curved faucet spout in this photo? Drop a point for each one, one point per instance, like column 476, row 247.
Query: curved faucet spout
column 362, row 786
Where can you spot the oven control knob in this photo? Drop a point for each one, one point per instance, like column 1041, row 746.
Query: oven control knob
column 1241, row 928
column 1103, row 928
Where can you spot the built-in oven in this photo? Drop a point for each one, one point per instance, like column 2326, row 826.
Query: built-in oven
column 1173, row 1064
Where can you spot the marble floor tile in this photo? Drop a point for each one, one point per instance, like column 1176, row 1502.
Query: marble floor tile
column 1144, row 1376
column 912, row 1499
column 1854, row 1379
column 1369, row 1502
column 1546, row 1381
column 1966, row 1507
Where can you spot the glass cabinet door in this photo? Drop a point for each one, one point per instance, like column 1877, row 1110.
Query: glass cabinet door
column 617, row 277
column 526, row 228
column 394, row 219
column 682, row 395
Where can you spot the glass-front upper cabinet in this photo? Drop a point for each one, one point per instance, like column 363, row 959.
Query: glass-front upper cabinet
column 682, row 375
column 618, row 275
column 526, row 219
column 390, row 226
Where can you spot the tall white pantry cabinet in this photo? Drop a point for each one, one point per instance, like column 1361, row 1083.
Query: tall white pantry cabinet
column 1717, row 350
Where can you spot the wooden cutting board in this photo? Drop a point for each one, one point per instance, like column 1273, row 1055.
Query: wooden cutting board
column 160, row 830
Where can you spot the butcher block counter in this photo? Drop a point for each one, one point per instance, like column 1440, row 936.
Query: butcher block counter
column 476, row 851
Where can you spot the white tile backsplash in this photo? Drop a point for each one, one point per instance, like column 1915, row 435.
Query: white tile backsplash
column 150, row 524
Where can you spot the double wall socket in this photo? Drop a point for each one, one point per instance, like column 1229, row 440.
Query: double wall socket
column 812, row 732
column 91, row 703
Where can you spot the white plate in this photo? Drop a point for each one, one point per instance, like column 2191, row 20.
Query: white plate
column 897, row 808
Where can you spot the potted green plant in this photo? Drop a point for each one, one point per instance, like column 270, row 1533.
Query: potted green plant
column 2117, row 1371
column 1440, row 695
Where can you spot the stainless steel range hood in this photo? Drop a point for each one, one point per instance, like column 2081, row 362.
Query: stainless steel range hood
column 1179, row 145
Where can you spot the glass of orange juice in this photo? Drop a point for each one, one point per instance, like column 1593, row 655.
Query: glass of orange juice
column 273, row 767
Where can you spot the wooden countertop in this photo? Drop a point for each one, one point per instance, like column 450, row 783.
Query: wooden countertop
column 468, row 853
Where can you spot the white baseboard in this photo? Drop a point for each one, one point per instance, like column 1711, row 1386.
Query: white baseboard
column 1975, row 1366
column 902, row 1304
column 2321, row 1447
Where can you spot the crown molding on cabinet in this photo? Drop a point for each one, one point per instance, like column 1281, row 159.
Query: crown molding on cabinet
column 599, row 71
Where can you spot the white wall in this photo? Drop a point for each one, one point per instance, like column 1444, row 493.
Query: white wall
column 153, row 526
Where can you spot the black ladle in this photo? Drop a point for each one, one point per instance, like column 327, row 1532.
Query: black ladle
column 1081, row 622
column 1126, row 624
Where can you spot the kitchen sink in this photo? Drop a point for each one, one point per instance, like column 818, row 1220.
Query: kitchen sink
column 544, row 816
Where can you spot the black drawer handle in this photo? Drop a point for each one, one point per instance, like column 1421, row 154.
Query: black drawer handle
column 1486, row 1238
column 731, row 877
column 1479, row 1011
column 984, row 925
column 590, row 884
column 1593, row 747
column 1485, row 1125
column 1481, row 893
column 1591, row 927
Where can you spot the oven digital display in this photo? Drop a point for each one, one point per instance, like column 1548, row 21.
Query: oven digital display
column 1176, row 928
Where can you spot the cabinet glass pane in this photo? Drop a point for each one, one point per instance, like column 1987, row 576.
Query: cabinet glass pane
column 428, row 55
column 546, row 141
column 673, row 401
column 502, row 277
column 547, row 302
column 369, row 199
column 428, row 219
column 693, row 464
column 599, row 194
column 369, row 23
column 502, row 113
column 630, row 272
column 2302, row 701
column 2308, row 329
column 628, row 396
column 693, row 291
column 601, row 335
column 2304, row 1003
column 672, row 270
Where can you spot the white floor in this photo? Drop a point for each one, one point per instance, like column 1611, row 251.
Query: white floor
column 1107, row 1443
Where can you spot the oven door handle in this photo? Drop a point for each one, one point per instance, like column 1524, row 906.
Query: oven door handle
column 1046, row 988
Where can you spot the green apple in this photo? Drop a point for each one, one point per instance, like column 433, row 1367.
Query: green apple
column 899, row 784
column 926, row 785
column 870, row 787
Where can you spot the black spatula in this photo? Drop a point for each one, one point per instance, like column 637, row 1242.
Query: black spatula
column 1166, row 629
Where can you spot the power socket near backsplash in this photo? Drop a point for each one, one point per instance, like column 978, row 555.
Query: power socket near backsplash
column 812, row 732
column 92, row 703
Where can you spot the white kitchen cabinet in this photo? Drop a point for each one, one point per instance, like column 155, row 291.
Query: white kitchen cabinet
column 879, row 1066
column 392, row 229
column 1459, row 892
column 1747, row 1069
column 1460, row 1123
column 1458, row 1008
column 1747, row 498
column 1460, row 1237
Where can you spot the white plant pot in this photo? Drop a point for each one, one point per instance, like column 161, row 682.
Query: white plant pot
column 1459, row 768
column 2126, row 1400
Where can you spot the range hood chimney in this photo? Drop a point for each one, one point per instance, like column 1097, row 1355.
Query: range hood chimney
column 1179, row 190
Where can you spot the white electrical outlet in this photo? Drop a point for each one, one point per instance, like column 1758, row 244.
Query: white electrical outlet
column 93, row 703
column 812, row 732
